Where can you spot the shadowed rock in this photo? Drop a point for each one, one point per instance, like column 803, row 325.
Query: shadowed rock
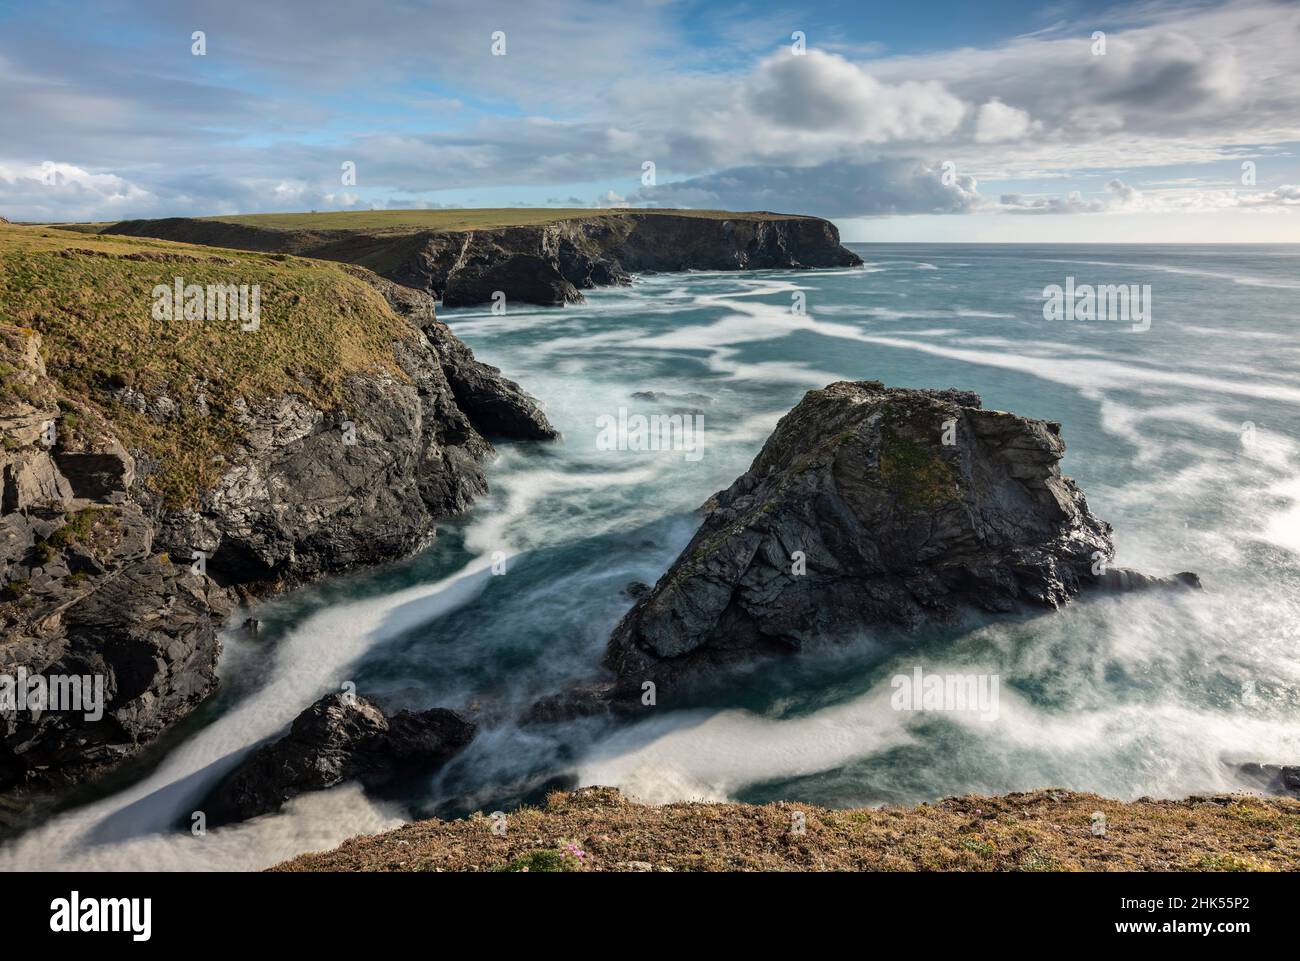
column 339, row 738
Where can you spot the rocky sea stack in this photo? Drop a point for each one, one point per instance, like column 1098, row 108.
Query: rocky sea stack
column 339, row 738
column 870, row 505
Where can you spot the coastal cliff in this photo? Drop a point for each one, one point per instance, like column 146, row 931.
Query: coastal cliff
column 158, row 471
column 547, row 263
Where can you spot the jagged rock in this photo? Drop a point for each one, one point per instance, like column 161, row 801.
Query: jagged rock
column 149, row 630
column 495, row 405
column 339, row 738
column 870, row 505
column 312, row 492
column 31, row 479
column 548, row 264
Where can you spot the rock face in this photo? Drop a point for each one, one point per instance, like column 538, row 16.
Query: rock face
column 339, row 738
column 870, row 505
column 541, row 264
column 83, row 592
column 99, row 579
column 317, row 491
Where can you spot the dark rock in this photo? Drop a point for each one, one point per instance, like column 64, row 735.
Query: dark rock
column 635, row 589
column 339, row 738
column 589, row 701
column 856, row 512
column 494, row 404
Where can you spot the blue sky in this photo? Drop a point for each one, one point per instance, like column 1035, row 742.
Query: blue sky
column 923, row 121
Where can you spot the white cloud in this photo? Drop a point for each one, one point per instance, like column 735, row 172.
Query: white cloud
column 62, row 191
column 823, row 94
column 998, row 122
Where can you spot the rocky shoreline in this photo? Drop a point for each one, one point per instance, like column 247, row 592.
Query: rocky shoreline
column 103, row 577
column 106, row 576
column 548, row 264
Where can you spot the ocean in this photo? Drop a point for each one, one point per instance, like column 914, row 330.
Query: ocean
column 1182, row 423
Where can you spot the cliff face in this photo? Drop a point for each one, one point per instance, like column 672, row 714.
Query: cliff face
column 870, row 505
column 543, row 263
column 103, row 575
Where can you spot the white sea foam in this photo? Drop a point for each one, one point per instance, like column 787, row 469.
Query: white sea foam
column 1246, row 280
column 703, row 756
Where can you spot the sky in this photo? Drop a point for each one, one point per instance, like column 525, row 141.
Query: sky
column 952, row 121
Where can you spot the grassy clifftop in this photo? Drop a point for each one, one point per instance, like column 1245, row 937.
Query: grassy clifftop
column 598, row 829
column 478, row 218
column 91, row 299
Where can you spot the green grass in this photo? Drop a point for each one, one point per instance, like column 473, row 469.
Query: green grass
column 548, row 861
column 90, row 297
column 922, row 479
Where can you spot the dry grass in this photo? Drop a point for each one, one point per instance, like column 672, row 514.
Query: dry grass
column 1039, row 831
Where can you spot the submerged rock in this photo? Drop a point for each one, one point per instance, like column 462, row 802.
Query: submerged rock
column 870, row 505
column 339, row 738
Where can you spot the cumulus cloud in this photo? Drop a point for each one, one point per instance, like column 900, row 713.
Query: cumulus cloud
column 1121, row 195
column 821, row 93
column 997, row 122
column 61, row 191
column 1286, row 196
column 1071, row 203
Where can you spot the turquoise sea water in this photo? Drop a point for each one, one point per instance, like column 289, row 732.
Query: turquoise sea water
column 1186, row 437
